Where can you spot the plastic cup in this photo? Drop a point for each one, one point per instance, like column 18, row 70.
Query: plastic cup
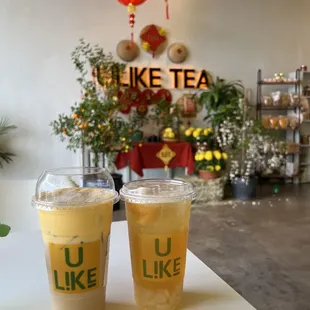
column 158, row 213
column 75, row 221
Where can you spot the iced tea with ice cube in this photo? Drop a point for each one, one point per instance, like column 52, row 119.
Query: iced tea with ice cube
column 158, row 234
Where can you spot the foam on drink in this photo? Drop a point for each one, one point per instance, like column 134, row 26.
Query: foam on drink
column 75, row 224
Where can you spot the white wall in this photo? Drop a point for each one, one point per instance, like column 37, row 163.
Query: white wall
column 231, row 38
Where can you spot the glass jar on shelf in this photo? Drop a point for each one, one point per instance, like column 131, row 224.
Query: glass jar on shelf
column 294, row 100
column 276, row 98
column 293, row 122
column 285, row 99
column 267, row 101
column 266, row 121
column 283, row 122
column 274, row 122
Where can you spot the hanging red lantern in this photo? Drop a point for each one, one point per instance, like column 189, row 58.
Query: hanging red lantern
column 167, row 9
column 131, row 4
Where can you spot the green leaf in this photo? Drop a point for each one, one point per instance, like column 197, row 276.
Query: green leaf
column 4, row 230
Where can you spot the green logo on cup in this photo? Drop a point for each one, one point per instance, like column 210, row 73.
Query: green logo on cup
column 162, row 268
column 75, row 267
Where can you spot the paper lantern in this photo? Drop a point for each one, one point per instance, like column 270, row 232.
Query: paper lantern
column 131, row 4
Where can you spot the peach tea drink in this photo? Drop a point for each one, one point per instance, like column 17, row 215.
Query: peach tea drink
column 158, row 213
column 75, row 223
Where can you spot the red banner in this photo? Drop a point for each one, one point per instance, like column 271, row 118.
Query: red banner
column 144, row 157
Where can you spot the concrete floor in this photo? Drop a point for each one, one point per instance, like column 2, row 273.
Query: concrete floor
column 260, row 248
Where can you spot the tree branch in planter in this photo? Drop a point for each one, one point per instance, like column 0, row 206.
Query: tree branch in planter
column 93, row 121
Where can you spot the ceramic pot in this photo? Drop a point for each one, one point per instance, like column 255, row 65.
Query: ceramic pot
column 208, row 175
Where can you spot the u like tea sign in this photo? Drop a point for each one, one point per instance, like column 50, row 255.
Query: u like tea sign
column 178, row 78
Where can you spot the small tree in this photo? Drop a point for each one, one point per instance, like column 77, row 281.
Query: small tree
column 94, row 121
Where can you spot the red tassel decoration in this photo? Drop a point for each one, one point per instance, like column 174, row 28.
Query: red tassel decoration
column 131, row 10
column 132, row 40
column 167, row 10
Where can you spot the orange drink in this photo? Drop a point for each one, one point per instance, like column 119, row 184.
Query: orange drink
column 75, row 223
column 158, row 213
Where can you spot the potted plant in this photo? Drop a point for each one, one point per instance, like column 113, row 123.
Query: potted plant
column 94, row 122
column 245, row 142
column 202, row 139
column 210, row 163
column 167, row 116
column 221, row 100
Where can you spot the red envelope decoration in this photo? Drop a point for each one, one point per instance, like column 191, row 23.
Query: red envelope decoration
column 153, row 38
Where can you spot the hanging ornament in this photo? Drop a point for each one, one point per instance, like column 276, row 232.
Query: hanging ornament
column 188, row 105
column 153, row 39
column 131, row 5
column 142, row 109
column 126, row 52
column 163, row 95
column 124, row 107
column 177, row 53
column 133, row 96
column 147, row 96
column 167, row 9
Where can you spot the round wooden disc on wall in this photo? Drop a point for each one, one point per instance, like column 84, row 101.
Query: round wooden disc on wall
column 177, row 53
column 126, row 52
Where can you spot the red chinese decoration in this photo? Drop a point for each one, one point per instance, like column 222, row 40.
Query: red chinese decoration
column 142, row 109
column 152, row 38
column 167, row 9
column 164, row 94
column 147, row 96
column 131, row 4
column 133, row 95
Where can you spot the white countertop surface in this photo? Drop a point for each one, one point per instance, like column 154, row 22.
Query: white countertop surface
column 24, row 286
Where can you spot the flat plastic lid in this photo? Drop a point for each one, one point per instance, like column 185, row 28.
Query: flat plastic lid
column 74, row 187
column 157, row 190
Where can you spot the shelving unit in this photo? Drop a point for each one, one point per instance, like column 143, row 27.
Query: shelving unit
column 292, row 135
column 304, row 129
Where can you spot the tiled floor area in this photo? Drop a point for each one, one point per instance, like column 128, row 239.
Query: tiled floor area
column 260, row 248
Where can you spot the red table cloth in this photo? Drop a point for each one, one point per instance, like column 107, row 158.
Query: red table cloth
column 144, row 157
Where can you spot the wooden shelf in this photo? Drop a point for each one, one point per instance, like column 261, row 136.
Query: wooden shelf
column 279, row 83
column 277, row 176
column 277, row 108
column 282, row 129
column 304, row 164
column 304, row 145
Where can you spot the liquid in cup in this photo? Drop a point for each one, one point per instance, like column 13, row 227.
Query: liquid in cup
column 158, row 213
column 75, row 224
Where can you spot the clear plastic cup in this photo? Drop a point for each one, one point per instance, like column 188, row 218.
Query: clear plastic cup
column 158, row 213
column 75, row 208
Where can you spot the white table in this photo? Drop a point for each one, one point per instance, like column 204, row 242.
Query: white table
column 24, row 286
